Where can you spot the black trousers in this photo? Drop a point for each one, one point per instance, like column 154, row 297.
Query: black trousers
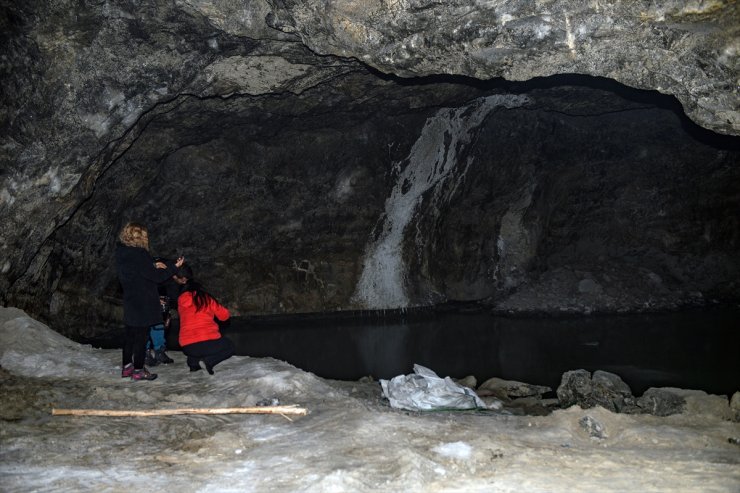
column 211, row 352
column 134, row 346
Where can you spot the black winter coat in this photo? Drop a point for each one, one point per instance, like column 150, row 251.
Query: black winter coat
column 139, row 278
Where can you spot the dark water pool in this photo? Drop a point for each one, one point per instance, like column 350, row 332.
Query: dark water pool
column 697, row 349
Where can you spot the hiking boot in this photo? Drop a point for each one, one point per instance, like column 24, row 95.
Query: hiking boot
column 143, row 374
column 150, row 359
column 127, row 371
column 163, row 358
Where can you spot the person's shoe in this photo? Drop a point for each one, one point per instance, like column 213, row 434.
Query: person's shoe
column 143, row 374
column 127, row 371
column 163, row 358
column 209, row 369
column 201, row 364
column 150, row 359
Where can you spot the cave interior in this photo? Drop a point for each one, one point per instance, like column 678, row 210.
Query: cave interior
column 300, row 180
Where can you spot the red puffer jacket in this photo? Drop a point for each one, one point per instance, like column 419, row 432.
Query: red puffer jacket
column 198, row 326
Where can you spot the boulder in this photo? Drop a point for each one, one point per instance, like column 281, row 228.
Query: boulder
column 694, row 402
column 593, row 427
column 611, row 382
column 735, row 406
column 603, row 389
column 469, row 381
column 661, row 402
column 512, row 388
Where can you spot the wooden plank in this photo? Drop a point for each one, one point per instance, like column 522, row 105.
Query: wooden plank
column 283, row 410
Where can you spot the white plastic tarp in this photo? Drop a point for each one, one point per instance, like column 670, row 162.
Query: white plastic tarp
column 425, row 391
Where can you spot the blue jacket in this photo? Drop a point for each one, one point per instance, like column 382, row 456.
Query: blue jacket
column 139, row 279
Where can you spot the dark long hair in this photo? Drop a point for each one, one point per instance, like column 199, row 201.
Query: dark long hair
column 201, row 297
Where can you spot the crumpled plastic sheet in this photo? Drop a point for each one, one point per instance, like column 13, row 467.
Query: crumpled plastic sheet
column 426, row 391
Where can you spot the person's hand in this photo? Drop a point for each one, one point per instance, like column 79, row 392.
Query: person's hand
column 179, row 262
column 160, row 265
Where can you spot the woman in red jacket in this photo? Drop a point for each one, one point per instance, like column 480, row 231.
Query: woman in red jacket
column 200, row 337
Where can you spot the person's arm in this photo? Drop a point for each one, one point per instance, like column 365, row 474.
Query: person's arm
column 151, row 272
column 220, row 311
column 163, row 264
column 158, row 275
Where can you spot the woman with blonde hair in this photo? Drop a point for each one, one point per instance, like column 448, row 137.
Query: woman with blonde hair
column 139, row 276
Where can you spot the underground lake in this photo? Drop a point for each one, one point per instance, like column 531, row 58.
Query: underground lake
column 690, row 348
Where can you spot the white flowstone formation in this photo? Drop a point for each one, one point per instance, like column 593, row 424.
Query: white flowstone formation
column 430, row 163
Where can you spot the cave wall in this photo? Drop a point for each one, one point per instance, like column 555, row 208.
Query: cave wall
column 685, row 48
column 550, row 203
column 82, row 80
column 271, row 199
column 270, row 142
column 566, row 210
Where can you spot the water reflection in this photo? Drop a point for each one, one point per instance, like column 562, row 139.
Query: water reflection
column 691, row 349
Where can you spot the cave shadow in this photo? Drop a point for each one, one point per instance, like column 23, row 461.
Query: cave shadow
column 646, row 97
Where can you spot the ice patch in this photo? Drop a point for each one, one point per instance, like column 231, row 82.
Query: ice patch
column 30, row 348
column 454, row 450
column 346, row 443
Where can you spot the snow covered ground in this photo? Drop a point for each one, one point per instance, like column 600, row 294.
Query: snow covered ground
column 351, row 440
